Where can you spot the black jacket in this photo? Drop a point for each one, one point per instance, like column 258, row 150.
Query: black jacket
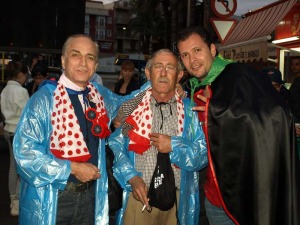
column 251, row 150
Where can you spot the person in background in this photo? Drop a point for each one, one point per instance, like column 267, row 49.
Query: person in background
column 295, row 95
column 295, row 66
column 39, row 73
column 253, row 167
column 159, row 125
column 36, row 58
column 59, row 144
column 13, row 100
column 277, row 82
column 127, row 83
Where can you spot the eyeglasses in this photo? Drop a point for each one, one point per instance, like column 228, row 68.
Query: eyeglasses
column 169, row 68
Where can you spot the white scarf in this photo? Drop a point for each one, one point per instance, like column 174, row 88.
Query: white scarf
column 67, row 141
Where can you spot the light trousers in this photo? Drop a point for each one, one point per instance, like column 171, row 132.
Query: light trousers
column 134, row 216
column 13, row 178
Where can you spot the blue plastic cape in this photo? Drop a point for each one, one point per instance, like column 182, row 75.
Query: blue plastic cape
column 42, row 174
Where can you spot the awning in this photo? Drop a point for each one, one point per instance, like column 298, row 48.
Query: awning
column 259, row 23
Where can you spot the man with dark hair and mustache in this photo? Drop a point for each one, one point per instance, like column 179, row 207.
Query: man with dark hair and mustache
column 159, row 125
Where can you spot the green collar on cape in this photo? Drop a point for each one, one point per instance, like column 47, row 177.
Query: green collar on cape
column 217, row 67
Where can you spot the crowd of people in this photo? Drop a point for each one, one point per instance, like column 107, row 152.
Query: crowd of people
column 238, row 123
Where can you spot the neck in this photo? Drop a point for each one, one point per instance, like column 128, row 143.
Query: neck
column 71, row 85
column 17, row 80
column 163, row 97
column 126, row 81
column 82, row 85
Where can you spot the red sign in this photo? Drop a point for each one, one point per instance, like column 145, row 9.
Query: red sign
column 223, row 8
column 290, row 25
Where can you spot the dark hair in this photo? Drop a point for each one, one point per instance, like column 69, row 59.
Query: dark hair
column 40, row 68
column 13, row 68
column 127, row 64
column 187, row 32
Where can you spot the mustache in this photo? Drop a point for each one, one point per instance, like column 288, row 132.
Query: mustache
column 163, row 80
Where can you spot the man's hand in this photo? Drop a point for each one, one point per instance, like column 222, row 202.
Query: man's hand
column 161, row 142
column 116, row 122
column 139, row 190
column 180, row 91
column 85, row 171
column 204, row 97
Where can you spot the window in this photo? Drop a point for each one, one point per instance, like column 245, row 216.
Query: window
column 87, row 24
column 87, row 20
column 100, row 34
column 108, row 33
column 100, row 21
column 109, row 20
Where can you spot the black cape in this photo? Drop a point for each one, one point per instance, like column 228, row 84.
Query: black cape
column 252, row 145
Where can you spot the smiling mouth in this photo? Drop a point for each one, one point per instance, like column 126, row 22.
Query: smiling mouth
column 82, row 71
column 197, row 67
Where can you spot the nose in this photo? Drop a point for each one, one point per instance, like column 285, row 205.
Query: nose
column 192, row 58
column 83, row 60
column 163, row 71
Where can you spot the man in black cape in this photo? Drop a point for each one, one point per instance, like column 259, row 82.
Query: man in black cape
column 253, row 173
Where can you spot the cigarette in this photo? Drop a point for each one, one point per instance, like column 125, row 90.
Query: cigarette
column 144, row 207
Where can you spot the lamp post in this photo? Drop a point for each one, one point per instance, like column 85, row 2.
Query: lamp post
column 124, row 29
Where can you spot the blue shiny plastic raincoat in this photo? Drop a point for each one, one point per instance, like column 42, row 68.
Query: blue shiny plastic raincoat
column 188, row 153
column 42, row 174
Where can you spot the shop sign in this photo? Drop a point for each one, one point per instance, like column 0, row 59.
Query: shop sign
column 247, row 53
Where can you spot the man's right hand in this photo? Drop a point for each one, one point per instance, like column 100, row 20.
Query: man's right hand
column 85, row 171
column 117, row 122
column 204, row 97
column 139, row 190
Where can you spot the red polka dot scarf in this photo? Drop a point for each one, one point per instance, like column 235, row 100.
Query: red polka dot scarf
column 67, row 140
column 141, row 120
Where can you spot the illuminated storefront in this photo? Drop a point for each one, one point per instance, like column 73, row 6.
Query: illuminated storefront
column 250, row 41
